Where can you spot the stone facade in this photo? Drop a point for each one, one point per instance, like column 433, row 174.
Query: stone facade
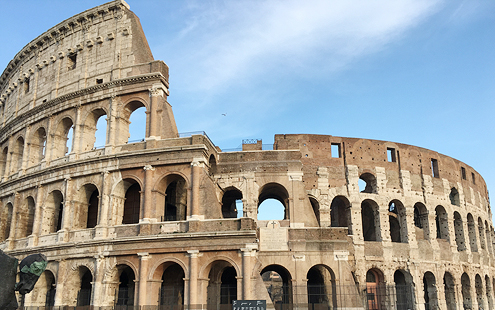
column 366, row 223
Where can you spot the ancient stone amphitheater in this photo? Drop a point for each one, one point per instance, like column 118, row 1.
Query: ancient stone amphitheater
column 366, row 224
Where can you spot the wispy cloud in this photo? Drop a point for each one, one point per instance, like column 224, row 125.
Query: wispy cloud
column 235, row 40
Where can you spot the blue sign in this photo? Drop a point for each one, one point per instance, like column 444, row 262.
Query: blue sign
column 249, row 305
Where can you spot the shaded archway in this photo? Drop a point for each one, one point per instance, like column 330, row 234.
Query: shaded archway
column 133, row 124
column 488, row 290
column 125, row 294
column 315, row 205
column 398, row 221
column 466, row 291
column 404, row 290
column 370, row 220
column 232, row 197
column 488, row 238
column 442, row 223
column 94, row 127
column 278, row 194
column 16, row 157
column 375, row 290
column 172, row 287
column 3, row 161
column 86, row 207
column 481, row 233
column 78, row 287
column 370, row 184
column 222, row 286
column 459, row 232
column 43, row 294
column 340, row 214
column 454, row 197
column 278, row 283
column 61, row 138
column 321, row 287
column 25, row 218
column 6, row 220
column 472, row 233
column 449, row 290
column 175, row 208
column 53, row 213
column 37, row 147
column 430, row 291
column 480, row 297
column 132, row 204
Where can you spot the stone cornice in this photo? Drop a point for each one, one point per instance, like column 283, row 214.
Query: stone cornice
column 83, row 92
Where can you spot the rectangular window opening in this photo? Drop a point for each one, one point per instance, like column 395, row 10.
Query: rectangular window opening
column 463, row 173
column 26, row 86
column 72, row 60
column 335, row 150
column 472, row 176
column 391, row 157
column 434, row 168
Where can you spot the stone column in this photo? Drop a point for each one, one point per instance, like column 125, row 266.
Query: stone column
column 104, row 201
column 247, row 256
column 148, row 202
column 143, row 281
column 26, row 150
column 193, row 278
column 9, row 159
column 67, row 212
column 155, row 93
column 33, row 239
column 78, row 132
column 196, row 166
column 111, row 125
column 49, row 141
column 13, row 222
column 59, row 292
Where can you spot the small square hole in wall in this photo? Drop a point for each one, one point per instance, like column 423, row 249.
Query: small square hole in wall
column 99, row 81
column 335, row 150
column 391, row 155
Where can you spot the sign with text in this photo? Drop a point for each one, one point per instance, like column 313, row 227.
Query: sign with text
column 249, row 305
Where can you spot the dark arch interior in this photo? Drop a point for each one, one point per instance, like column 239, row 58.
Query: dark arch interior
column 84, row 295
column 277, row 281
column 229, row 202
column 368, row 221
column 132, row 204
column 172, row 288
column 125, row 296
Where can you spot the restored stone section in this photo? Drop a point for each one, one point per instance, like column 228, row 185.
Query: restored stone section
column 173, row 220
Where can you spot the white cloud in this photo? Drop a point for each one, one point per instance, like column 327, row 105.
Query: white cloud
column 221, row 41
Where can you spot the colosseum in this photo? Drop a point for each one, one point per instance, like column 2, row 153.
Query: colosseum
column 171, row 222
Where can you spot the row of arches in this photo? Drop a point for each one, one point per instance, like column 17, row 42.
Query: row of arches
column 32, row 147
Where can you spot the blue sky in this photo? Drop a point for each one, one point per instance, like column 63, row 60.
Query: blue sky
column 417, row 72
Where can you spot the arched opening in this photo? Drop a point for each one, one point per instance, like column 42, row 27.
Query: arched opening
column 43, row 294
column 232, row 197
column 125, row 295
column 62, row 138
column 449, row 290
column 25, row 218
column 478, row 283
column 136, row 130
column 454, row 197
column 370, row 220
column 430, row 291
column 481, row 232
column 52, row 214
column 172, row 287
column 315, row 205
column 17, row 155
column 85, row 290
column 398, row 221
column 488, row 291
column 488, row 238
column 466, row 291
column 375, row 290
column 459, row 232
column 278, row 283
column 94, row 130
column 7, row 220
column 86, row 207
column 3, row 160
column 442, row 223
column 37, row 147
column 340, row 214
column 222, row 286
column 404, row 293
column 273, row 202
column 472, row 233
column 132, row 204
column 370, row 184
column 176, row 200
column 321, row 288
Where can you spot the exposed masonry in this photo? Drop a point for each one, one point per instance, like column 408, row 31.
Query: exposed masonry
column 157, row 222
